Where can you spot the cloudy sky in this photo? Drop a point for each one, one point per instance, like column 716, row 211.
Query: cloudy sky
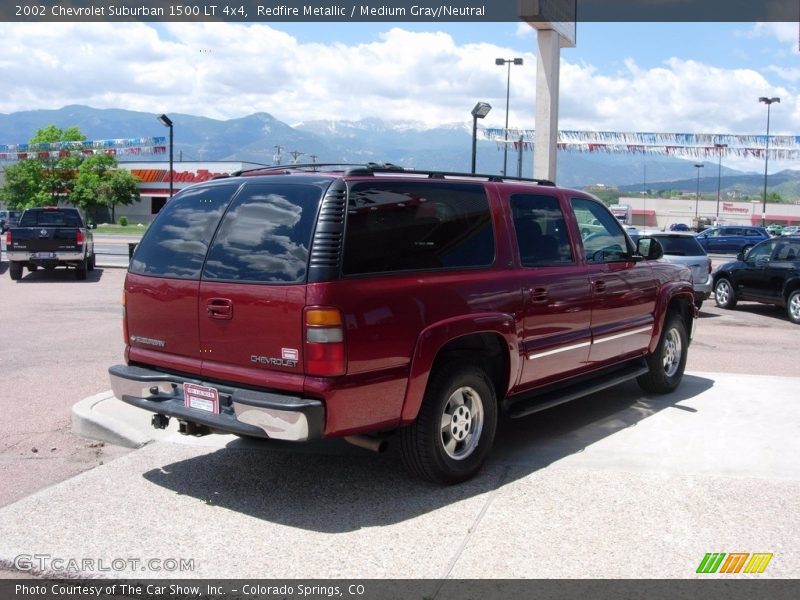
column 694, row 78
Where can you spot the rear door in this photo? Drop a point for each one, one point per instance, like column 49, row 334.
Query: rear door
column 164, row 279
column 252, row 294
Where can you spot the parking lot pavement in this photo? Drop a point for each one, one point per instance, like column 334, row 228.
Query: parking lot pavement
column 619, row 485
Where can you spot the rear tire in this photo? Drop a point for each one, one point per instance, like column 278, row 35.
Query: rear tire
column 793, row 307
column 724, row 294
column 80, row 270
column 91, row 264
column 15, row 270
column 455, row 427
column 668, row 362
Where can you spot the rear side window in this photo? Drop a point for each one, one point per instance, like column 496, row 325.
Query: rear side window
column 541, row 230
column 403, row 226
column 680, row 245
column 265, row 235
column 176, row 242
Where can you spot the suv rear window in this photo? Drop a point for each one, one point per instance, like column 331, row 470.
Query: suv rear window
column 402, row 226
column 680, row 245
column 265, row 235
column 175, row 244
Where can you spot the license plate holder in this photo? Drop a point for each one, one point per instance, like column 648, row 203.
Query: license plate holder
column 201, row 397
column 45, row 255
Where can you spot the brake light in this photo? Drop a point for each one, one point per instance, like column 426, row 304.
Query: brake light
column 79, row 238
column 324, row 346
column 124, row 318
column 709, row 266
column 8, row 239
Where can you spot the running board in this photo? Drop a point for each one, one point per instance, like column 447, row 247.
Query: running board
column 527, row 405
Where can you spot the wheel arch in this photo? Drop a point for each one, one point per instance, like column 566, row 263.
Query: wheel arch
column 491, row 339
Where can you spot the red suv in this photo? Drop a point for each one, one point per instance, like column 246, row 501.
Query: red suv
column 366, row 301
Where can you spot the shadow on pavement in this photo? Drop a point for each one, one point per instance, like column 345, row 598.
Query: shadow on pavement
column 330, row 486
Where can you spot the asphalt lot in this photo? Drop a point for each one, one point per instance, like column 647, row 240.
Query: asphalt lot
column 618, row 485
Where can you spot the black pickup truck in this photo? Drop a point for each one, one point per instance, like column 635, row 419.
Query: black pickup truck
column 50, row 237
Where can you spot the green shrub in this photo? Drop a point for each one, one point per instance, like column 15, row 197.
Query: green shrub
column 122, row 221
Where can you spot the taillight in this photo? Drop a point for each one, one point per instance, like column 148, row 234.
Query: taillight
column 324, row 348
column 709, row 266
column 8, row 239
column 79, row 238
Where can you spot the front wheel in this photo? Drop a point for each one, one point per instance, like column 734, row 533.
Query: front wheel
column 724, row 294
column 455, row 427
column 793, row 307
column 667, row 363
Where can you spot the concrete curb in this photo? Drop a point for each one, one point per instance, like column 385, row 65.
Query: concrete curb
column 91, row 423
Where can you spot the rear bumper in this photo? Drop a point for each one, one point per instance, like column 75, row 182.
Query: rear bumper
column 31, row 257
column 242, row 411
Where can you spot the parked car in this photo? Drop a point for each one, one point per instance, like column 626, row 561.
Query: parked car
column 50, row 237
column 791, row 230
column 769, row 273
column 683, row 248
column 678, row 227
column 774, row 229
column 8, row 218
column 731, row 238
column 371, row 302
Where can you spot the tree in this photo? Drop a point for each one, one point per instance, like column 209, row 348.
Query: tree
column 46, row 179
column 100, row 183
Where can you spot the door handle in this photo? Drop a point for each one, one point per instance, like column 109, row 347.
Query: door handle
column 219, row 308
column 599, row 286
column 538, row 294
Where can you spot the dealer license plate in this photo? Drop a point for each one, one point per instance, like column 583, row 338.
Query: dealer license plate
column 201, row 397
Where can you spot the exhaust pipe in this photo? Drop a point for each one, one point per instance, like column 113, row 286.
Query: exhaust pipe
column 367, row 442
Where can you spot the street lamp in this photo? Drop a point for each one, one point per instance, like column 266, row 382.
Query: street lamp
column 720, row 148
column 509, row 62
column 697, row 198
column 768, row 102
column 167, row 122
column 479, row 112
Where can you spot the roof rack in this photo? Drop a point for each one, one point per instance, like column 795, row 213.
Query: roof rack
column 372, row 168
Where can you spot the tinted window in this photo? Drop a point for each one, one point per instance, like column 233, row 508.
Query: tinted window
column 265, row 235
column 606, row 244
column 176, row 242
column 679, row 245
column 400, row 226
column 762, row 251
column 51, row 218
column 541, row 230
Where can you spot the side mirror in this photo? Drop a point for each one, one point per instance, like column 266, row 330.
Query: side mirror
column 741, row 256
column 650, row 248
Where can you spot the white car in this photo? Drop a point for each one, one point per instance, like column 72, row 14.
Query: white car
column 791, row 230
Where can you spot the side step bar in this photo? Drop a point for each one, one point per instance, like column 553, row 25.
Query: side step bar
column 549, row 398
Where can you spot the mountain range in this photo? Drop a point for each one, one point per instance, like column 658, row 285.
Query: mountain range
column 256, row 137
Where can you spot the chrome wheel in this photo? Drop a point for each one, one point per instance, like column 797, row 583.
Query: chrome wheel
column 722, row 293
column 793, row 308
column 461, row 423
column 672, row 352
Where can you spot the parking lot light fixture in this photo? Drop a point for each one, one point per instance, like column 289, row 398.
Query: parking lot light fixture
column 697, row 197
column 479, row 112
column 509, row 62
column 720, row 148
column 167, row 122
column 768, row 102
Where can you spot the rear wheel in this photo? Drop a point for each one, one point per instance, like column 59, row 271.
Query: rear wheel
column 80, row 270
column 724, row 294
column 793, row 307
column 15, row 270
column 455, row 427
column 91, row 264
column 668, row 362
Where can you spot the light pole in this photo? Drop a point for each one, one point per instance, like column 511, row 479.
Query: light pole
column 697, row 197
column 167, row 122
column 768, row 102
column 509, row 62
column 479, row 112
column 720, row 148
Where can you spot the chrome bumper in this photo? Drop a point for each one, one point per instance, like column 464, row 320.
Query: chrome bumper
column 57, row 257
column 242, row 411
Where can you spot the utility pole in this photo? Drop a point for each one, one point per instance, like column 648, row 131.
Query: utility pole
column 276, row 159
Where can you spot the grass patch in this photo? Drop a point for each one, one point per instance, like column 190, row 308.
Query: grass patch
column 121, row 229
